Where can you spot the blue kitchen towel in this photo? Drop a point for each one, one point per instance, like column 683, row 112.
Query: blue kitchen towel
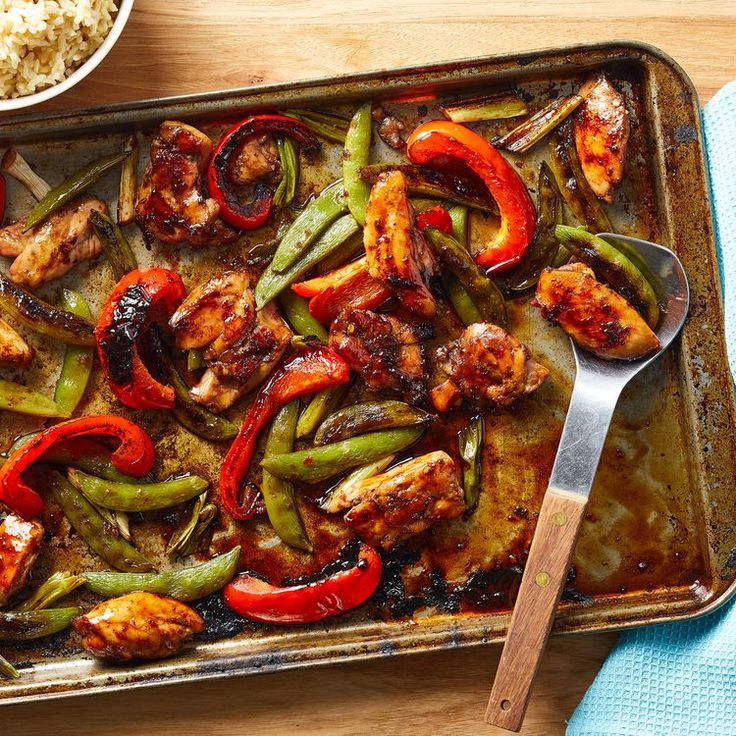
column 680, row 679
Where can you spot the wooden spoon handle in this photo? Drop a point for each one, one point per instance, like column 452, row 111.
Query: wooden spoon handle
column 541, row 586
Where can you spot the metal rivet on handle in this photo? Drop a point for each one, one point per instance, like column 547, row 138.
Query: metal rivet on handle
column 542, row 579
column 559, row 519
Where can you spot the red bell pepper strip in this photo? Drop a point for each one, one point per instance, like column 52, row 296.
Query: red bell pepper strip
column 133, row 456
column 250, row 215
column 303, row 604
column 437, row 217
column 440, row 140
column 137, row 298
column 305, row 373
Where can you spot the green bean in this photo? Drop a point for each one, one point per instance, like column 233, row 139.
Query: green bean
column 185, row 584
column 22, row 400
column 314, row 219
column 55, row 587
column 319, row 463
column 114, row 244
column 272, row 282
column 137, row 496
column 77, row 365
column 614, row 267
column 198, row 518
column 42, row 318
column 71, row 187
column 344, row 487
column 484, row 293
column 92, row 528
column 289, row 158
column 296, row 310
column 367, row 417
column 322, row 404
column 470, row 444
column 25, row 625
column 491, row 107
column 7, row 670
column 278, row 494
column 355, row 155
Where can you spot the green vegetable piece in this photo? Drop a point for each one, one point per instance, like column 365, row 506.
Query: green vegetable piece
column 319, row 463
column 272, row 282
column 330, row 127
column 7, row 670
column 356, row 154
column 187, row 538
column 369, row 416
column 470, row 444
column 278, row 494
column 26, row 625
column 614, row 267
column 322, row 404
column 55, row 587
column 71, row 187
column 22, row 400
column 289, row 158
column 459, row 298
column 77, row 366
column 352, row 478
column 296, row 311
column 490, row 107
column 185, row 584
column 459, row 217
column 195, row 359
column 92, row 528
column 137, row 496
column 114, row 244
column 483, row 291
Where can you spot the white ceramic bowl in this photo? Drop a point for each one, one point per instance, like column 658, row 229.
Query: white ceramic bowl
column 16, row 103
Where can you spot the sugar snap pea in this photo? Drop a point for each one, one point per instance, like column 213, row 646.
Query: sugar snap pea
column 321, row 405
column 355, row 155
column 25, row 625
column 459, row 298
column 296, row 310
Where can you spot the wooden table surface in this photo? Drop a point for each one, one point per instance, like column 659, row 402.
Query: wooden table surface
column 182, row 46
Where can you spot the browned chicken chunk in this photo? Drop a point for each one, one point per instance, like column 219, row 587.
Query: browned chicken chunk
column 383, row 350
column 595, row 316
column 171, row 205
column 242, row 345
column 20, row 545
column 486, row 365
column 602, row 135
column 390, row 129
column 393, row 506
column 137, row 626
column 397, row 253
column 257, row 159
column 15, row 352
column 53, row 247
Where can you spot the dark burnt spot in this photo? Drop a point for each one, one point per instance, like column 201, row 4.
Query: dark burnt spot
column 220, row 621
column 684, row 134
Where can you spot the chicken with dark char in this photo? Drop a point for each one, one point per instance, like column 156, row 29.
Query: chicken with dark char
column 20, row 545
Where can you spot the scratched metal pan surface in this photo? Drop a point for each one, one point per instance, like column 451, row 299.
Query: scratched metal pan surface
column 659, row 542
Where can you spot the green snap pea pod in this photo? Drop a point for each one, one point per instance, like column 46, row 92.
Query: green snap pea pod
column 355, row 155
column 314, row 219
column 7, row 670
column 42, row 318
column 330, row 127
column 77, row 365
column 459, row 298
column 574, row 187
column 354, row 477
column 137, row 496
column 484, row 293
column 25, row 625
column 22, row 400
column 289, row 158
column 350, row 249
column 470, row 444
column 55, row 587
column 71, row 187
column 278, row 494
column 195, row 359
column 323, row 403
column 296, row 311
column 367, row 417
column 614, row 267
column 545, row 246
column 89, row 456
column 459, row 217
column 187, row 538
column 185, row 584
column 273, row 282
column 319, row 463
column 114, row 244
column 93, row 529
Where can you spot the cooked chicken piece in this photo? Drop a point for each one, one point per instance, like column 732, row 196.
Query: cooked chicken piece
column 383, row 350
column 596, row 317
column 390, row 129
column 602, row 135
column 486, row 365
column 393, row 506
column 137, row 626
column 171, row 205
column 15, row 352
column 20, row 545
column 51, row 248
column 397, row 253
column 257, row 159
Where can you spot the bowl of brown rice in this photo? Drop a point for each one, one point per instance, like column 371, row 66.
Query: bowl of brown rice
column 47, row 46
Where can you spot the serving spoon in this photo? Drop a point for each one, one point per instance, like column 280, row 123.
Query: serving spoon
column 598, row 385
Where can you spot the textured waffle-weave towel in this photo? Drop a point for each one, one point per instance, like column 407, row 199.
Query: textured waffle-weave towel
column 680, row 679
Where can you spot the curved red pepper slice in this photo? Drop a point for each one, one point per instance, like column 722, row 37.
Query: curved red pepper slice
column 133, row 456
column 136, row 299
column 442, row 139
column 250, row 215
column 306, row 373
column 303, row 604
column 437, row 217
